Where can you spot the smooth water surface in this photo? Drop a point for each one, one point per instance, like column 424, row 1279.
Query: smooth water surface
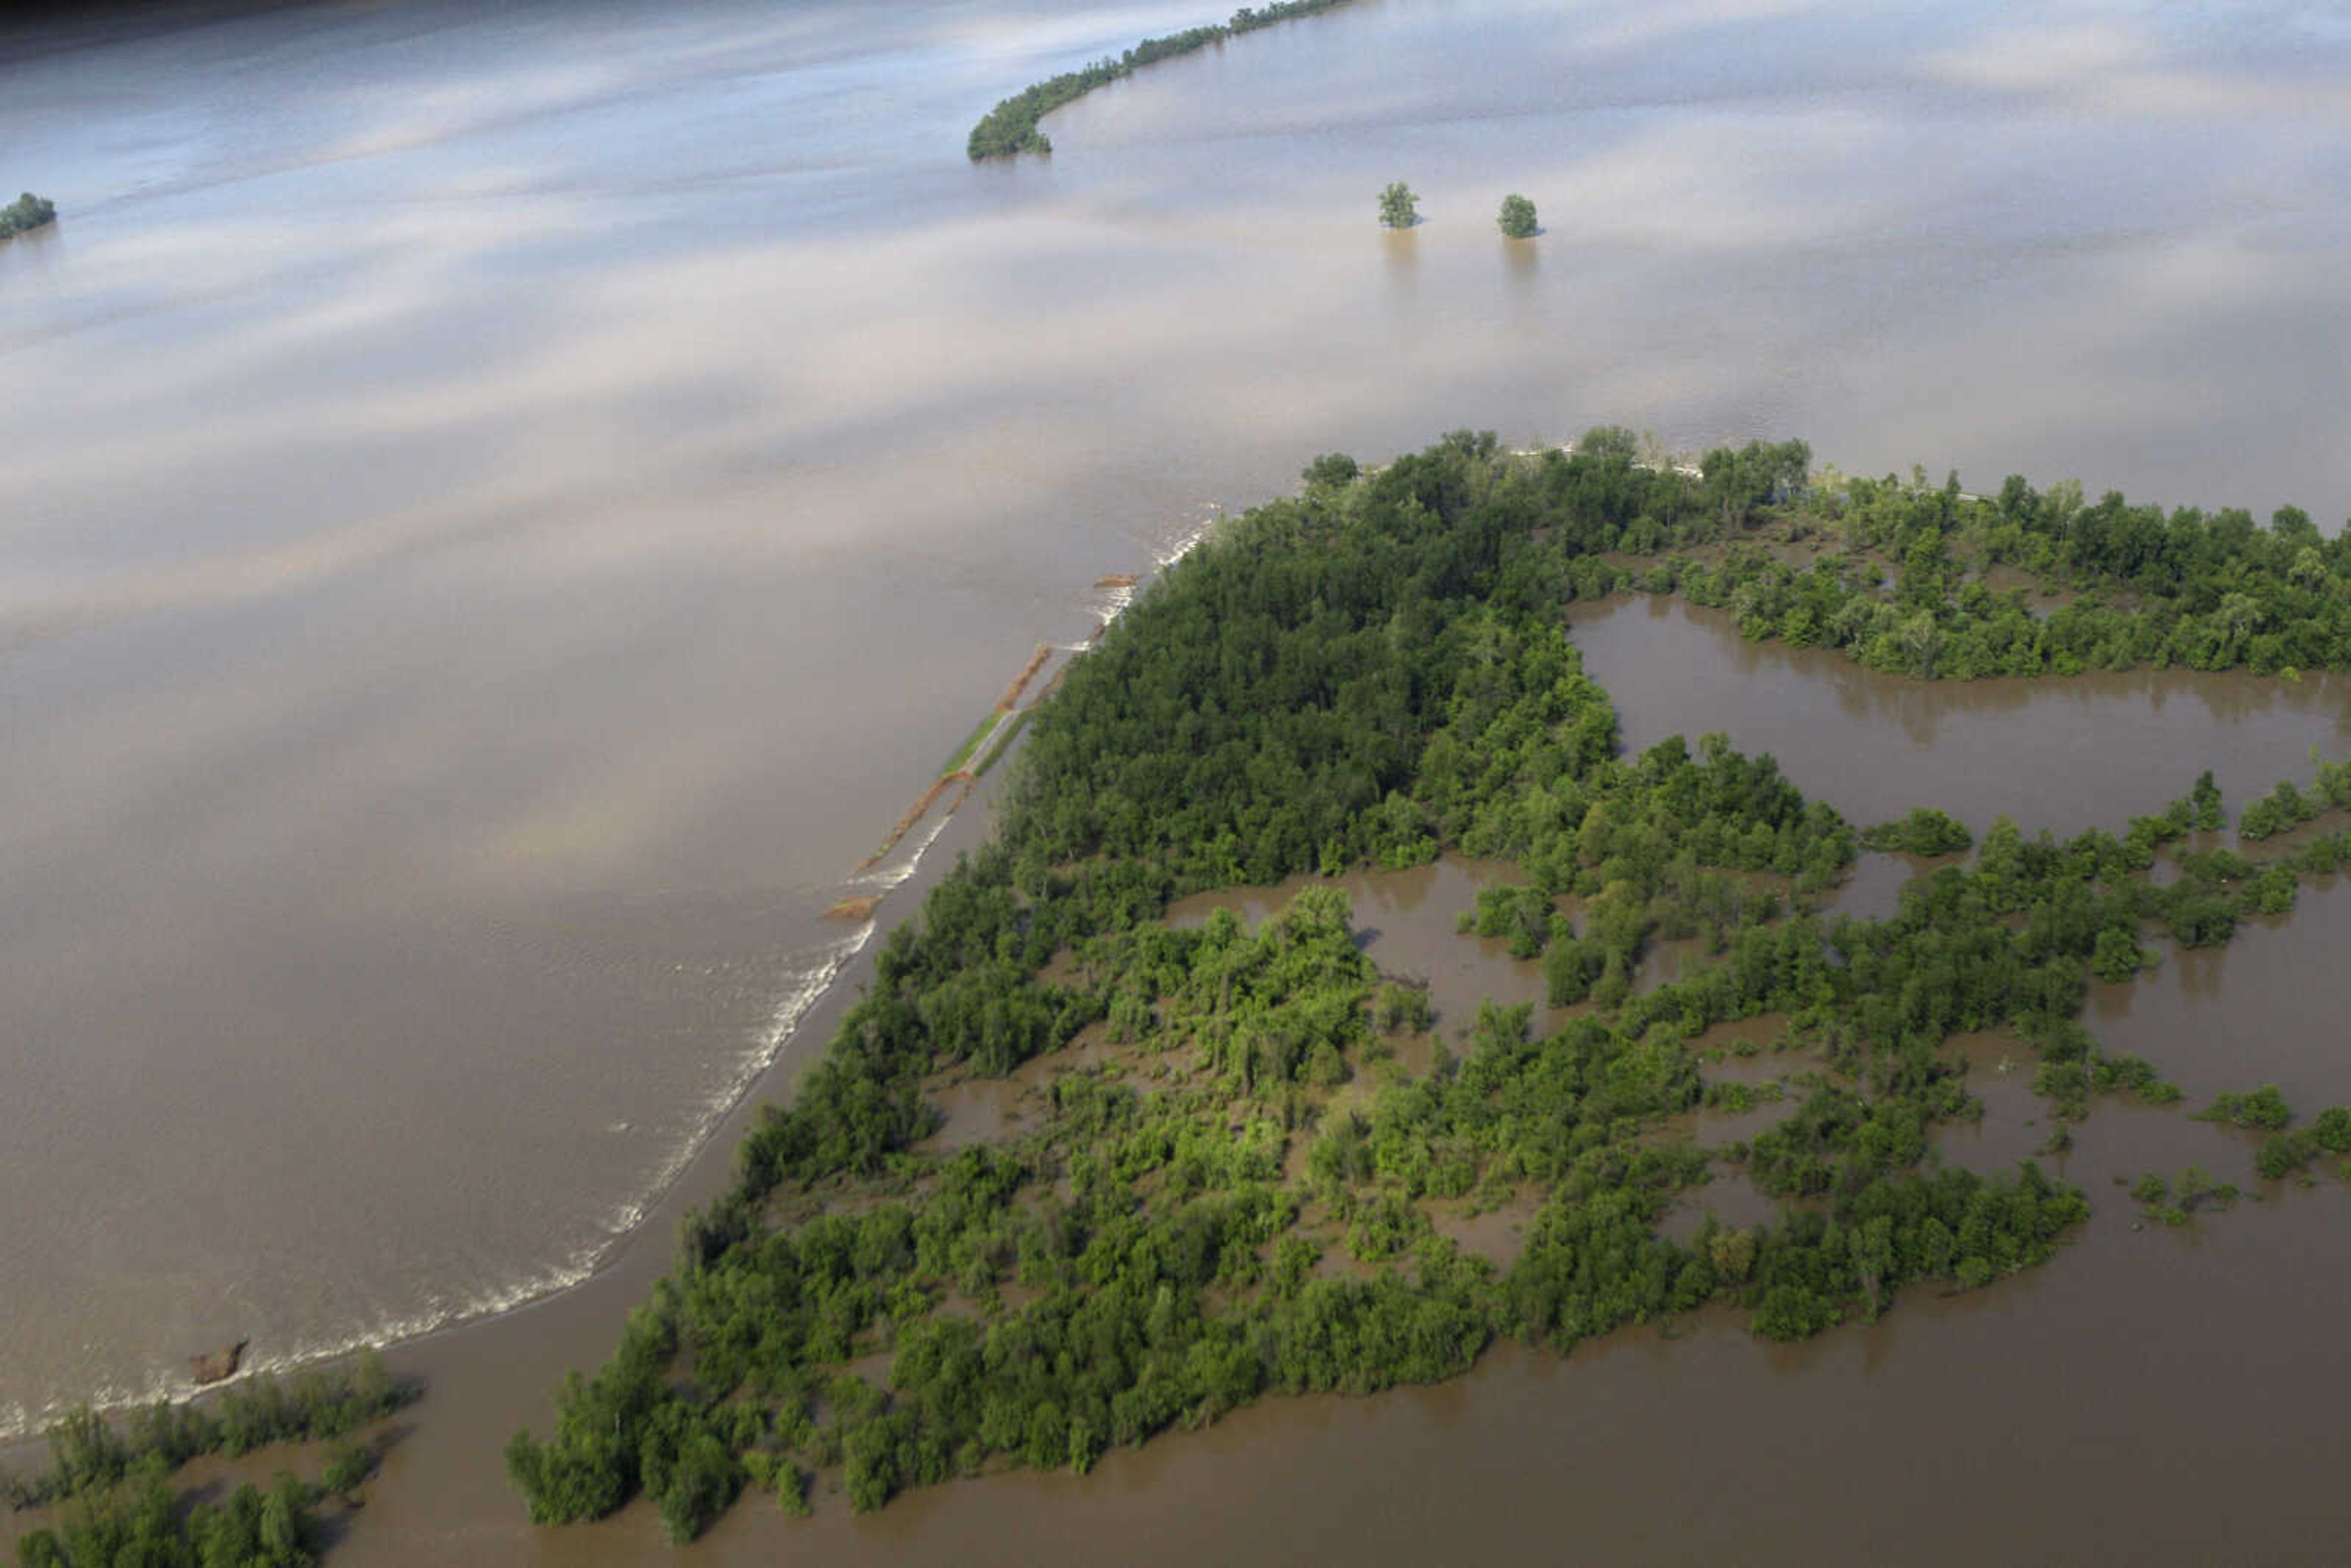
column 2091, row 751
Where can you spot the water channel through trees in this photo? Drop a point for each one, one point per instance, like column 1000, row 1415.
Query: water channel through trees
column 508, row 502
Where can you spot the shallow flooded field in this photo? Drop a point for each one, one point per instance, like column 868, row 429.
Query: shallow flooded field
column 2094, row 750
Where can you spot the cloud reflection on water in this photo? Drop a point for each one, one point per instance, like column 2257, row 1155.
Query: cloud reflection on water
column 523, row 468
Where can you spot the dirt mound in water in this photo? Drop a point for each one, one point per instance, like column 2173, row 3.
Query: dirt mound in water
column 218, row 1366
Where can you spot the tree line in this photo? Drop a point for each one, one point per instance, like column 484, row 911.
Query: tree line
column 1012, row 128
column 141, row 1522
column 115, row 1506
column 90, row 1453
column 1911, row 580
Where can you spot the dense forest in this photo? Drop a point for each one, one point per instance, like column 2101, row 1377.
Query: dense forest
column 1011, row 127
column 115, row 1506
column 1238, row 1187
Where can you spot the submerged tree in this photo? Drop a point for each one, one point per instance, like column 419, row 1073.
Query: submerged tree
column 1399, row 207
column 26, row 211
column 1011, row 126
column 1517, row 218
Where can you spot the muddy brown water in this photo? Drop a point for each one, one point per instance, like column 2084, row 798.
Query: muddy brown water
column 2091, row 751
column 1405, row 921
column 506, row 505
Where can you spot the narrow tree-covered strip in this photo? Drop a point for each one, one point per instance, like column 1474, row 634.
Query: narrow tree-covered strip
column 90, row 1453
column 1011, row 127
column 111, row 1498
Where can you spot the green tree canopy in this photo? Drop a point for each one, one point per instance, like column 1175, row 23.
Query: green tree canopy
column 1517, row 218
column 1369, row 672
column 1399, row 208
column 26, row 211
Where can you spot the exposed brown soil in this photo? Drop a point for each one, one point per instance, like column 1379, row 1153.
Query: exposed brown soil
column 853, row 908
column 1115, row 580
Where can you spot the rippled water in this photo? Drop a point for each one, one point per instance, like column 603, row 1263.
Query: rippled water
column 506, row 505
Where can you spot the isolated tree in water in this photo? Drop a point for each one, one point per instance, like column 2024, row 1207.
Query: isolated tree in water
column 1517, row 218
column 1399, row 208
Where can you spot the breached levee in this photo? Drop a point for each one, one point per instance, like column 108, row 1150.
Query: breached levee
column 914, row 813
column 811, row 980
column 1011, row 697
column 994, row 735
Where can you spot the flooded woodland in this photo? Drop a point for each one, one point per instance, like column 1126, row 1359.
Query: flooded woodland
column 507, row 505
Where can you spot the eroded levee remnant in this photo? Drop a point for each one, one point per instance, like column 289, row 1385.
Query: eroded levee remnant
column 914, row 813
column 1011, row 697
column 976, row 755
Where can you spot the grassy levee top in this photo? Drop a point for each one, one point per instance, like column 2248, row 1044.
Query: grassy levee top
column 1237, row 1188
column 1011, row 127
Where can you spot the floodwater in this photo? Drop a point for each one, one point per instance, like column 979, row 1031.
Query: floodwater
column 1406, row 921
column 506, row 503
column 2067, row 755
